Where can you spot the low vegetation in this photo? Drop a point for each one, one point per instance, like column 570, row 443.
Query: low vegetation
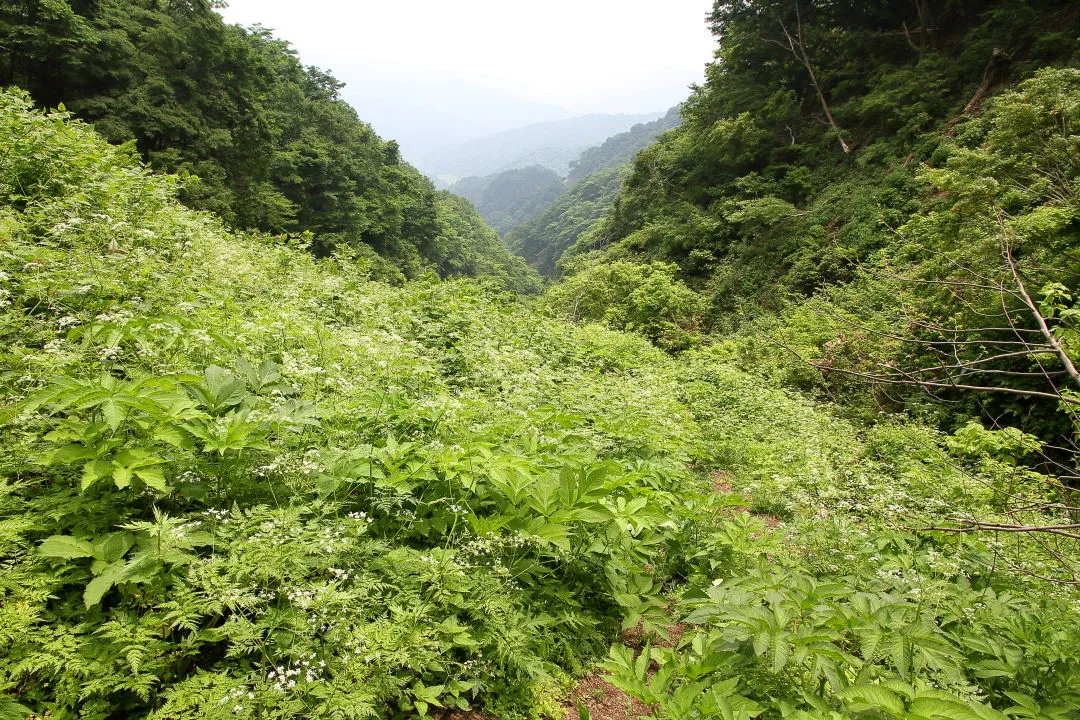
column 240, row 481
column 793, row 437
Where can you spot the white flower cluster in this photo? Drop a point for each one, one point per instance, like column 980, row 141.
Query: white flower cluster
column 360, row 516
column 5, row 298
column 219, row 516
column 236, row 696
column 285, row 678
column 189, row 476
column 339, row 573
column 300, row 364
column 302, row 598
column 306, row 465
column 67, row 321
column 120, row 317
column 110, row 354
column 490, row 543
column 54, row 346
column 275, row 532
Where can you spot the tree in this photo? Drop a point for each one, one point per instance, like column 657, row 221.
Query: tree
column 984, row 287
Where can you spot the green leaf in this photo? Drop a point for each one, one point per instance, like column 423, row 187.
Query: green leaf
column 1025, row 701
column 96, row 588
column 781, row 651
column 11, row 710
column 173, row 435
column 94, row 471
column 992, row 669
column 68, row 453
column 65, row 546
column 114, row 412
column 113, row 547
column 121, row 477
column 153, row 477
column 873, row 697
column 946, row 709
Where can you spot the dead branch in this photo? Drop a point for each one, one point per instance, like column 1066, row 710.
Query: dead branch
column 1051, row 340
column 796, row 45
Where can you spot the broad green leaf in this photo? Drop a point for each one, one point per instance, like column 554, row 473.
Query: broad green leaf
column 65, row 546
column 934, row 708
column 781, row 651
column 153, row 477
column 173, row 435
column 96, row 588
column 866, row 697
column 68, row 453
column 113, row 547
column 94, row 471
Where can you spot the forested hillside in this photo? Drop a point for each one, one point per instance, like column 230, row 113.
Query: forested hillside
column 621, row 148
column 544, row 239
column 808, row 146
column 792, row 437
column 591, row 185
column 838, row 149
column 272, row 145
column 510, row 198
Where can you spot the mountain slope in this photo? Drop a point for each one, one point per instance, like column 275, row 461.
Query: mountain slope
column 592, row 185
column 755, row 195
column 512, row 197
column 543, row 239
column 621, row 148
column 838, row 212
column 261, row 140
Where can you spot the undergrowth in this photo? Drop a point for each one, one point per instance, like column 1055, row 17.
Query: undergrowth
column 239, row 481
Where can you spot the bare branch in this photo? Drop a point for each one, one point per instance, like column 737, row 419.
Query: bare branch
column 797, row 47
column 970, row 525
column 1052, row 341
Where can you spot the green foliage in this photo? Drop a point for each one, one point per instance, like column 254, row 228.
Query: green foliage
column 326, row 496
column 240, row 480
column 627, row 296
column 259, row 139
column 753, row 196
column 512, row 197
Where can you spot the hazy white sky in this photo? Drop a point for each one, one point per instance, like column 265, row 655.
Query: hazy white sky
column 433, row 72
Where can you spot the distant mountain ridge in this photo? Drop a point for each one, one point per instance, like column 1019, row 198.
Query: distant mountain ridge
column 553, row 145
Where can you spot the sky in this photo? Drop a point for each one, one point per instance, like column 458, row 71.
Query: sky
column 431, row 73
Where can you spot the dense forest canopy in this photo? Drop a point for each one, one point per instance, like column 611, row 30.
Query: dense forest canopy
column 271, row 143
column 835, row 144
column 591, row 185
column 793, row 435
column 507, row 199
